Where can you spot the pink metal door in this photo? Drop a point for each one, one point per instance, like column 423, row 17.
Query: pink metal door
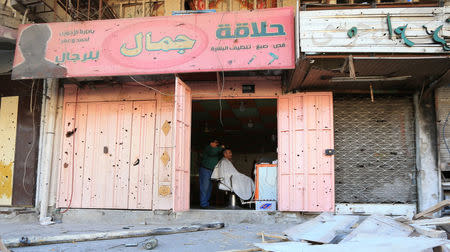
column 182, row 150
column 305, row 172
column 107, row 162
column 142, row 151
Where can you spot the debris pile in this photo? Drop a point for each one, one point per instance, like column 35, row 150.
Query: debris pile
column 328, row 232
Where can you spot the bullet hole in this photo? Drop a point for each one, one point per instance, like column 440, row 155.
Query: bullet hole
column 105, row 149
column 66, row 165
column 66, row 153
column 70, row 133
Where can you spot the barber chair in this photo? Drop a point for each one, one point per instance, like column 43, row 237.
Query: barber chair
column 232, row 196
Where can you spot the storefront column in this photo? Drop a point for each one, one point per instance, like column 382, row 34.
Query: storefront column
column 50, row 103
column 426, row 152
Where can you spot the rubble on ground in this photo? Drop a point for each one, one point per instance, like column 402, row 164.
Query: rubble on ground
column 329, row 232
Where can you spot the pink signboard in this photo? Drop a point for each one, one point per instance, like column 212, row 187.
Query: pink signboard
column 226, row 41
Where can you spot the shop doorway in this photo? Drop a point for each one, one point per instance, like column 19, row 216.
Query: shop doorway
column 248, row 127
column 305, row 149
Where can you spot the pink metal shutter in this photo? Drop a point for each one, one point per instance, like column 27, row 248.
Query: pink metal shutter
column 305, row 172
column 142, row 150
column 182, row 119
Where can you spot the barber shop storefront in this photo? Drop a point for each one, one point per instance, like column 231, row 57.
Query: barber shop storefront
column 143, row 97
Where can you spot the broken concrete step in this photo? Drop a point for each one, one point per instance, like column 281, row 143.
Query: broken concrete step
column 322, row 229
column 380, row 225
column 435, row 221
column 360, row 243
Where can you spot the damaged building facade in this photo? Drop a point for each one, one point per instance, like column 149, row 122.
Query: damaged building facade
column 350, row 104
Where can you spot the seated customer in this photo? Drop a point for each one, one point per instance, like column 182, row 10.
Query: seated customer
column 231, row 179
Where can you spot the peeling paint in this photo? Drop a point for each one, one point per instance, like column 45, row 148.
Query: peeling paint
column 8, row 130
column 164, row 190
column 6, row 171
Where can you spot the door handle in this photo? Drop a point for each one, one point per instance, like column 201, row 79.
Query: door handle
column 329, row 152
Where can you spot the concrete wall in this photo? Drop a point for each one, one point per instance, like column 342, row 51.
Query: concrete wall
column 426, row 152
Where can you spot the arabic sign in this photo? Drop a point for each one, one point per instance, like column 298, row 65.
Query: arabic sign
column 227, row 41
column 380, row 30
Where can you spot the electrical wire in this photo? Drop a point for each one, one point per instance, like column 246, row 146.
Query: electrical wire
column 443, row 133
column 220, row 99
column 147, row 86
column 33, row 136
column 167, row 94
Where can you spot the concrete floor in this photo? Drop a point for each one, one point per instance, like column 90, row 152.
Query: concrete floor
column 233, row 236
column 241, row 227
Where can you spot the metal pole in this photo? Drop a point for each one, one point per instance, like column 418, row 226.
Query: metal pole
column 89, row 10
column 100, row 2
column 78, row 10
column 51, row 86
column 297, row 31
column 69, row 238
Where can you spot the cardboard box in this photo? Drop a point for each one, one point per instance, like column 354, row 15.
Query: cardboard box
column 266, row 205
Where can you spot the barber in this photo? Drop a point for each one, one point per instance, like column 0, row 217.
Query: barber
column 210, row 158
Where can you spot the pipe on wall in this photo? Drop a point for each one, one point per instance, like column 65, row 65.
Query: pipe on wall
column 297, row 31
column 45, row 161
column 41, row 144
column 54, row 173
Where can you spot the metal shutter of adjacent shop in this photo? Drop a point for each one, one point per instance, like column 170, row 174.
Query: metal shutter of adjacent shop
column 375, row 149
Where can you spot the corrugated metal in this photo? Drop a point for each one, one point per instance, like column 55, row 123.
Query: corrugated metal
column 418, row 68
column 319, row 75
column 443, row 110
column 375, row 149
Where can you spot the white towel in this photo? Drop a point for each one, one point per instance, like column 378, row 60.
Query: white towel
column 242, row 185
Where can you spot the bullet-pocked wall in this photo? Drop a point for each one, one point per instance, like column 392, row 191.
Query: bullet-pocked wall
column 375, row 149
column 116, row 147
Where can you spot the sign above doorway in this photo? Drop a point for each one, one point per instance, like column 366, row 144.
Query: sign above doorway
column 226, row 41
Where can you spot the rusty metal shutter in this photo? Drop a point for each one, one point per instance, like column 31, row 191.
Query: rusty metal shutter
column 375, row 149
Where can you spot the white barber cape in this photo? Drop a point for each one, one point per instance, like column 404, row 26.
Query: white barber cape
column 242, row 185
